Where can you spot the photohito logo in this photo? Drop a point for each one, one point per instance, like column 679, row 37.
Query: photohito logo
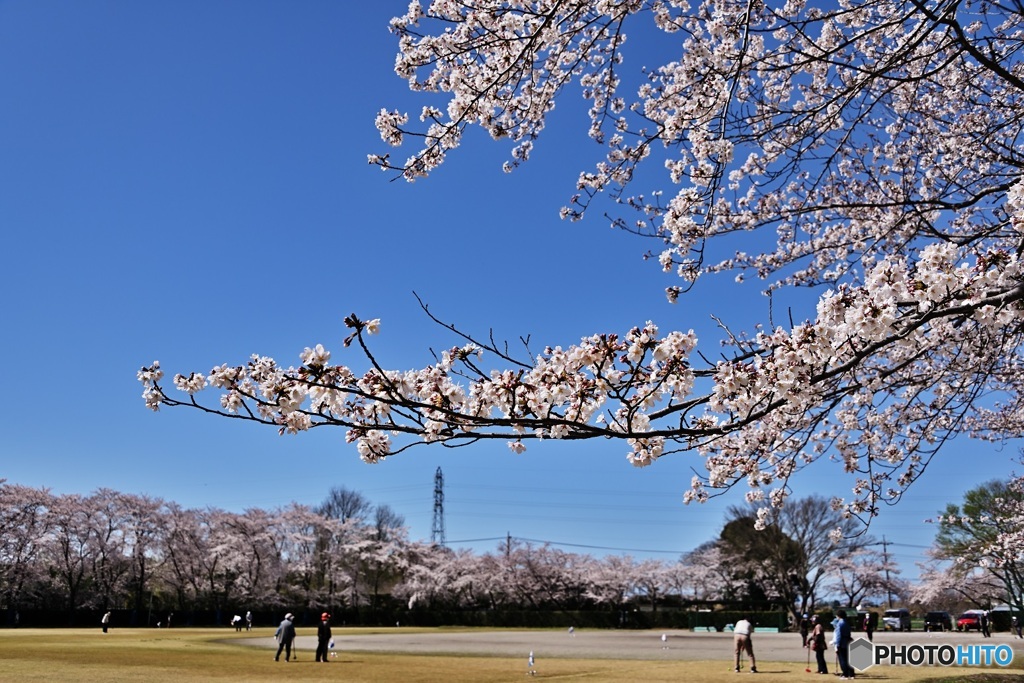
column 864, row 654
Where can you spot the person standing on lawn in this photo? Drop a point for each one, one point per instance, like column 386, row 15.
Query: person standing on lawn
column 816, row 642
column 844, row 634
column 323, row 637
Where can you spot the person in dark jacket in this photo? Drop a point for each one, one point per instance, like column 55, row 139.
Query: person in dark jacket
column 323, row 637
column 817, row 644
column 285, row 635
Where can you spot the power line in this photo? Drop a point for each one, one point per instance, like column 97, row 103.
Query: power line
column 601, row 547
column 569, row 545
column 883, row 543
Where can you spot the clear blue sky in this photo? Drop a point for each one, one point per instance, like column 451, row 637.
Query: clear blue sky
column 188, row 182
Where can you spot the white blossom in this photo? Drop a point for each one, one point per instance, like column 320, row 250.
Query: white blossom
column 871, row 156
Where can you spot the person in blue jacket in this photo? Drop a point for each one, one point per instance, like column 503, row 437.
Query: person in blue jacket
column 843, row 636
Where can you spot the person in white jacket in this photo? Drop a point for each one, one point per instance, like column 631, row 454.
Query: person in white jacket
column 743, row 643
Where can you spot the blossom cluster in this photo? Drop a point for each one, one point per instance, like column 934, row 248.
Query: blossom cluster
column 866, row 382
column 871, row 151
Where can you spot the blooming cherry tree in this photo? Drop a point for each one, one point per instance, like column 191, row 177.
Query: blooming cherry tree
column 70, row 548
column 443, row 577
column 983, row 537
column 938, row 586
column 869, row 152
column 704, row 575
column 23, row 528
column 187, row 548
column 144, row 535
column 865, row 574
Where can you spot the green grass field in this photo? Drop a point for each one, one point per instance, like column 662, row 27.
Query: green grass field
column 180, row 655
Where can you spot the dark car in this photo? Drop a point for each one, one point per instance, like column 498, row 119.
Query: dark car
column 968, row 620
column 938, row 621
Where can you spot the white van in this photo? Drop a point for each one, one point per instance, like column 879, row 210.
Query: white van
column 896, row 619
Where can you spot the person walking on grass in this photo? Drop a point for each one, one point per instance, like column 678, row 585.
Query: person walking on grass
column 742, row 641
column 285, row 635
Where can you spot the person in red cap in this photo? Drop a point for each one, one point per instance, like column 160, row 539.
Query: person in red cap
column 323, row 637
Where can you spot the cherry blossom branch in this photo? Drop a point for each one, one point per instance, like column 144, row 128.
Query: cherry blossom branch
column 871, row 150
column 755, row 423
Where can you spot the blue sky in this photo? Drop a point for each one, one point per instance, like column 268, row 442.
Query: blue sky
column 188, row 182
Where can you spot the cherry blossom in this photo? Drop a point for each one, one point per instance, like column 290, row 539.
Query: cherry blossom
column 980, row 541
column 870, row 151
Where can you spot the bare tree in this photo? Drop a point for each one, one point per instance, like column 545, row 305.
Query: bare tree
column 811, row 522
column 345, row 504
column 798, row 546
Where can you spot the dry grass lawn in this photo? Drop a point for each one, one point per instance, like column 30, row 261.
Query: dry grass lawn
column 182, row 655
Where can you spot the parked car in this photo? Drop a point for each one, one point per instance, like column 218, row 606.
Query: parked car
column 969, row 619
column 896, row 619
column 938, row 621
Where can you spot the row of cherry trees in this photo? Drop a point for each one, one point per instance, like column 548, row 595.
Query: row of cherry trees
column 125, row 551
column 118, row 550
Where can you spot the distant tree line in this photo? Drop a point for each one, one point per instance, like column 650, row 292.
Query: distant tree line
column 71, row 554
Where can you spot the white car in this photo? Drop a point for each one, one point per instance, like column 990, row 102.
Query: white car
column 896, row 619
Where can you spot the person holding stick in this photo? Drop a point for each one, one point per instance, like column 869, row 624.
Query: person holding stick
column 742, row 641
column 285, row 635
column 843, row 637
column 817, row 643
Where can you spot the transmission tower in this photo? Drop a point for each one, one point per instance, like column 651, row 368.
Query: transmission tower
column 437, row 532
